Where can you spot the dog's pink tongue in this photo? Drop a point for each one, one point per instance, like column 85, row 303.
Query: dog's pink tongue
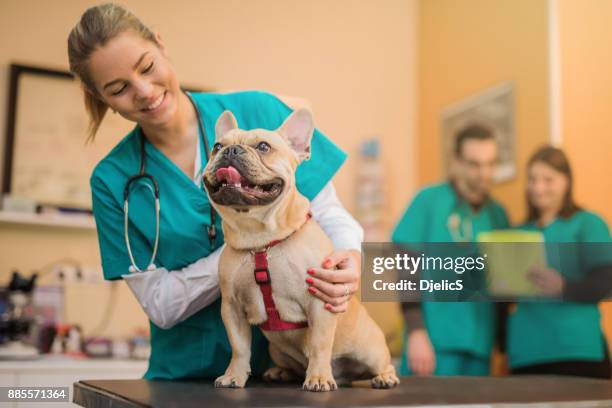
column 228, row 174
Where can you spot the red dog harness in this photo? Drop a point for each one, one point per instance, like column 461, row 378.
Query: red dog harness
column 262, row 277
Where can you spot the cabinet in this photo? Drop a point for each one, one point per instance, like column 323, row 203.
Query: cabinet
column 52, row 371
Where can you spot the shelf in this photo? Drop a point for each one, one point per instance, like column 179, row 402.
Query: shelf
column 51, row 363
column 80, row 221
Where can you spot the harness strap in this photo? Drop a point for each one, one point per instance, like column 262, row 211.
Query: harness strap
column 262, row 277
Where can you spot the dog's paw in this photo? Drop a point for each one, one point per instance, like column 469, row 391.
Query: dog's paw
column 388, row 379
column 320, row 383
column 231, row 381
column 279, row 374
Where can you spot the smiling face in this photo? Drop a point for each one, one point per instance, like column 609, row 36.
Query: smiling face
column 546, row 187
column 134, row 77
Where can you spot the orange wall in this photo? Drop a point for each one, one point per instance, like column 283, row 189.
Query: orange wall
column 469, row 45
column 586, row 105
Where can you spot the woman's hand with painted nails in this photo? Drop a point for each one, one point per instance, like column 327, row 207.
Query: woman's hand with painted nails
column 336, row 280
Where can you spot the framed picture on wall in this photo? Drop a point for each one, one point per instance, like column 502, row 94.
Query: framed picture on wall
column 494, row 108
column 46, row 158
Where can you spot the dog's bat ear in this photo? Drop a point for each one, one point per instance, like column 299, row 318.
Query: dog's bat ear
column 298, row 129
column 225, row 123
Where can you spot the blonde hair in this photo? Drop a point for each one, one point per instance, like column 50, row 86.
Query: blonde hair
column 97, row 26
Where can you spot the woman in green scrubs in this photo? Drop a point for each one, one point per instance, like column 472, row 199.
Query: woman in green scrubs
column 123, row 66
column 553, row 337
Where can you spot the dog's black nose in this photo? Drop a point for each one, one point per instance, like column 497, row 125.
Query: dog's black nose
column 233, row 151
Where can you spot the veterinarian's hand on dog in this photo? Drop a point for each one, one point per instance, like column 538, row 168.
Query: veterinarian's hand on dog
column 337, row 279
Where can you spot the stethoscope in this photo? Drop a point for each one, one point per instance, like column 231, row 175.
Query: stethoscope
column 460, row 228
column 154, row 189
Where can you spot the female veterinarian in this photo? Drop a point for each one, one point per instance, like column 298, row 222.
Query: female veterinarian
column 168, row 255
column 554, row 337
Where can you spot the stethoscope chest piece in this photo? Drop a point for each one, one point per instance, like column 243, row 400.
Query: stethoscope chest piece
column 460, row 228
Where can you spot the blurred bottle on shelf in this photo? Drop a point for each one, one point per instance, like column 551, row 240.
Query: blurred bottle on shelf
column 369, row 193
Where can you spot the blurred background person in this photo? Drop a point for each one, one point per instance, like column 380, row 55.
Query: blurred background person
column 453, row 338
column 555, row 337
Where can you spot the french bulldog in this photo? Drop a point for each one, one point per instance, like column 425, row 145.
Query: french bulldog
column 250, row 181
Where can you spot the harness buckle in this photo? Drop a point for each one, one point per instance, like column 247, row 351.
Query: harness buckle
column 262, row 276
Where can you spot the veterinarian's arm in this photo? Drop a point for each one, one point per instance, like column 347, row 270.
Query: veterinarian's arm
column 171, row 297
column 595, row 286
column 343, row 230
column 338, row 278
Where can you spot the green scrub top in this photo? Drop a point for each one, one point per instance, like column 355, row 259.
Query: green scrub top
column 459, row 327
column 553, row 331
column 197, row 346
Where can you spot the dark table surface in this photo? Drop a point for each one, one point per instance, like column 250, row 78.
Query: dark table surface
column 413, row 391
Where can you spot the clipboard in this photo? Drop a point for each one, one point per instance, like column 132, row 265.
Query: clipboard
column 509, row 255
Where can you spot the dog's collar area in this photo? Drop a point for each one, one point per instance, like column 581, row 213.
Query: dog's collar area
column 262, row 277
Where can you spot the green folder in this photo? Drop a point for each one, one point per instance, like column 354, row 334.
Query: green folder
column 509, row 255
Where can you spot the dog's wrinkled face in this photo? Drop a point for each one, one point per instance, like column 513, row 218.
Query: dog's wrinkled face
column 256, row 167
column 240, row 175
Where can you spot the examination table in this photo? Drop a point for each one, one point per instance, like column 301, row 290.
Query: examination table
column 518, row 391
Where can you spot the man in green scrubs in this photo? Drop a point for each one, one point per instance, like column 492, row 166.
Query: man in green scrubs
column 197, row 346
column 453, row 338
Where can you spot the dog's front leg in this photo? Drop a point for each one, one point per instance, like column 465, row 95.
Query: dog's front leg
column 239, row 334
column 318, row 348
